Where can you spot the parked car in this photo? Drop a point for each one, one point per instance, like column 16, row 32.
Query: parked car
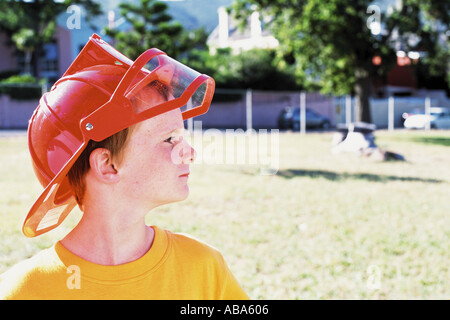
column 289, row 118
column 439, row 118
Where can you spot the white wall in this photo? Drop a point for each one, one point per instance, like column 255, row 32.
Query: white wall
column 15, row 114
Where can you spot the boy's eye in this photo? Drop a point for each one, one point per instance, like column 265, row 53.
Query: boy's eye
column 172, row 139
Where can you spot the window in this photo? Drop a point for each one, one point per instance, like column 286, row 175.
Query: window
column 48, row 61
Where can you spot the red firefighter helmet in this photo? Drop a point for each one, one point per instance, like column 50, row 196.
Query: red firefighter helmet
column 92, row 101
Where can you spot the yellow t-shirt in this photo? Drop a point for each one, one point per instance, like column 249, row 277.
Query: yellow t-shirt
column 176, row 267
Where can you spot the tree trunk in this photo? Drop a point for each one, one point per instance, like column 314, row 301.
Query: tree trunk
column 362, row 92
column 28, row 54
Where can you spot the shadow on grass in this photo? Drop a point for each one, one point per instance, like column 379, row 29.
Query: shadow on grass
column 334, row 176
column 441, row 141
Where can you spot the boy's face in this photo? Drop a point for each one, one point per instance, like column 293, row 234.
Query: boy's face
column 155, row 165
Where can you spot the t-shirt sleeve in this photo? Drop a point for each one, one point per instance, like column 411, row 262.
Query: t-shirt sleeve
column 231, row 289
column 211, row 270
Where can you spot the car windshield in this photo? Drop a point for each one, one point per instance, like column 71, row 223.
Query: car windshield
column 307, row 111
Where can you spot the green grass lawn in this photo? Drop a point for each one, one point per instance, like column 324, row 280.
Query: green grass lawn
column 324, row 227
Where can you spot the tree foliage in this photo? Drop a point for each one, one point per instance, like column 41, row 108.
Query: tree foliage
column 424, row 26
column 148, row 25
column 332, row 47
column 32, row 23
column 255, row 69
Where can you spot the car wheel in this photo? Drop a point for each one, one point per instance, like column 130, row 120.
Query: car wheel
column 326, row 125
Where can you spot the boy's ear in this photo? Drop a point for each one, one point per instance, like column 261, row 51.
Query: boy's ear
column 102, row 166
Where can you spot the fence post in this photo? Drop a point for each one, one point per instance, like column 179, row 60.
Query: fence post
column 2, row 111
column 302, row 113
column 427, row 112
column 44, row 87
column 5, row 114
column 248, row 112
column 348, row 109
column 390, row 113
column 190, row 121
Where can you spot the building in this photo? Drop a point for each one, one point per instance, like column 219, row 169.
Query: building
column 57, row 56
column 228, row 35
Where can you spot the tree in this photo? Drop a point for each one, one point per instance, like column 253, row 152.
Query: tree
column 192, row 40
column 150, row 27
column 255, row 69
column 25, row 40
column 332, row 45
column 426, row 22
column 31, row 24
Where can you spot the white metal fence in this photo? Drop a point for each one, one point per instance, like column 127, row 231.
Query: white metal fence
column 17, row 103
column 249, row 109
column 387, row 113
column 254, row 109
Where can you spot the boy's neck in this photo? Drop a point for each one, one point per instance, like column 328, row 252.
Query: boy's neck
column 109, row 242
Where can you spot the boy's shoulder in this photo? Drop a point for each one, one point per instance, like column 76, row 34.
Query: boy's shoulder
column 189, row 241
column 187, row 244
column 207, row 264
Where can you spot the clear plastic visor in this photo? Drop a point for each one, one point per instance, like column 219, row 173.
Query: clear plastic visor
column 150, row 88
column 164, row 80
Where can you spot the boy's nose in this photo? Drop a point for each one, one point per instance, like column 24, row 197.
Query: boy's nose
column 189, row 154
column 184, row 153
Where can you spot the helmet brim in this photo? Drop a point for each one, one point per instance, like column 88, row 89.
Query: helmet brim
column 48, row 211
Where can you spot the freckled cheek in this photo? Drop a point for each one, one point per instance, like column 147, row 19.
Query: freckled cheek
column 161, row 161
column 153, row 166
column 165, row 156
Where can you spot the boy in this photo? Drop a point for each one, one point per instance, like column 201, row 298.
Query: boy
column 108, row 137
